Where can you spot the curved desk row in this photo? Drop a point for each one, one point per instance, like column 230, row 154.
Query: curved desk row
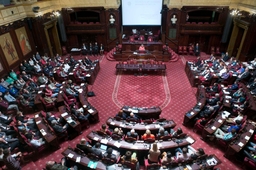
column 144, row 113
column 85, row 162
column 140, row 128
column 201, row 97
column 141, row 67
column 139, row 145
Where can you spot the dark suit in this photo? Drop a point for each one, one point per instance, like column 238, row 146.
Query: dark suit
column 97, row 152
column 134, row 135
column 197, row 50
column 86, row 148
column 243, row 76
column 59, row 129
column 110, row 156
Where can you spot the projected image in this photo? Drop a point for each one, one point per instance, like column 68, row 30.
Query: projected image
column 141, row 12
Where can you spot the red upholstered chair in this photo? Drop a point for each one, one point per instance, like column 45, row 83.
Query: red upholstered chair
column 180, row 50
column 191, row 50
column 249, row 164
column 212, row 50
column 150, row 39
column 157, row 36
column 64, row 50
column 129, row 164
column 69, row 99
column 152, row 166
column 217, row 52
column 141, row 38
column 184, row 50
column 131, row 38
column 47, row 106
column 198, row 128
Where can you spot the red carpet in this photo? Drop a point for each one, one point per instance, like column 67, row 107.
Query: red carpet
column 140, row 91
column 182, row 98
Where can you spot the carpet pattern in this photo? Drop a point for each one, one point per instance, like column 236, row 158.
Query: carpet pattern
column 134, row 90
column 182, row 99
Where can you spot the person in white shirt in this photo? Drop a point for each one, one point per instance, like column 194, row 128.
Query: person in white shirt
column 37, row 68
column 35, row 142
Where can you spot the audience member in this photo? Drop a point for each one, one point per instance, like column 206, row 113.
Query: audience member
column 154, row 153
column 148, row 135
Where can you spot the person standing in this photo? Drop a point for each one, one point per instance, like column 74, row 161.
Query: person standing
column 197, row 50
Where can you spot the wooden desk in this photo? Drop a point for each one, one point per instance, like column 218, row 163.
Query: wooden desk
column 46, row 132
column 201, row 98
column 210, row 162
column 238, row 144
column 138, row 145
column 252, row 103
column 84, row 161
column 210, row 128
column 71, row 121
column 94, row 115
column 149, row 68
column 144, row 113
column 140, row 128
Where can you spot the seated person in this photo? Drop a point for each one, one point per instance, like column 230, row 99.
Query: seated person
column 71, row 92
column 47, row 99
column 214, row 88
column 196, row 153
column 236, row 127
column 177, row 133
column 148, row 135
column 167, row 158
column 10, row 162
column 34, row 141
column 132, row 134
column 105, row 130
column 97, row 151
column 8, row 143
column 141, row 48
column 129, row 156
column 9, row 98
column 42, row 79
column 133, row 117
column 84, row 146
column 183, row 155
column 213, row 100
column 233, row 87
column 250, row 154
column 224, row 136
column 154, row 154
column 57, row 127
column 234, row 119
column 121, row 114
column 52, row 165
column 5, row 119
column 207, row 111
column 162, row 132
column 118, row 131
column 110, row 155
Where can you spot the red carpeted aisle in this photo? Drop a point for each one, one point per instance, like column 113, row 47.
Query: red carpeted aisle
column 173, row 93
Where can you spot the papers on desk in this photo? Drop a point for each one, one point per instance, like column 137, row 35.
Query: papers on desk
column 236, row 105
column 92, row 68
column 192, row 113
column 220, row 121
column 157, row 126
column 147, row 127
column 159, row 145
column 71, row 74
column 228, row 97
column 114, row 152
column 122, row 125
column 225, row 92
column 43, row 132
column 78, row 159
column 64, row 114
column 104, row 141
column 82, row 84
column 80, row 90
column 190, row 140
column 247, row 137
column 227, row 101
column 251, row 131
column 196, row 77
column 87, row 75
column 112, row 123
column 36, row 116
column 38, row 122
column 70, row 155
column 212, row 161
column 84, row 106
column 90, row 111
column 213, row 128
column 92, row 164
column 42, row 86
column 117, row 144
column 240, row 144
column 222, row 85
column 39, row 92
column 134, row 147
column 189, row 167
column 199, row 104
column 95, row 138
